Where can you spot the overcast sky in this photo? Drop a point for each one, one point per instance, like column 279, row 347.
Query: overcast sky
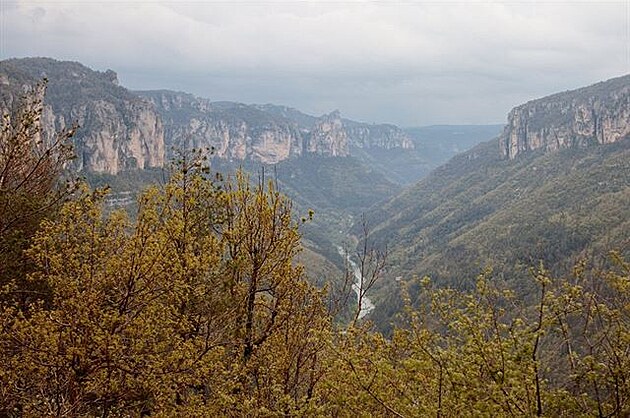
column 405, row 62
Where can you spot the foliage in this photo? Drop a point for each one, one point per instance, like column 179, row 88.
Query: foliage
column 482, row 211
column 485, row 353
column 197, row 300
column 196, row 308
column 31, row 167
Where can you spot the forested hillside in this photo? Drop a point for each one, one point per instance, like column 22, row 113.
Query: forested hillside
column 552, row 204
column 480, row 207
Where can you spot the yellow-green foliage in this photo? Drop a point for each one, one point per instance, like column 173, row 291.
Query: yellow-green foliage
column 196, row 308
column 486, row 354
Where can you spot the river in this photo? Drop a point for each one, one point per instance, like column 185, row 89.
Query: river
column 366, row 304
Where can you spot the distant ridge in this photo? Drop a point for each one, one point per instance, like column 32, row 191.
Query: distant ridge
column 124, row 130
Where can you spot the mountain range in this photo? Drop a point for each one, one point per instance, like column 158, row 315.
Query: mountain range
column 121, row 129
column 552, row 186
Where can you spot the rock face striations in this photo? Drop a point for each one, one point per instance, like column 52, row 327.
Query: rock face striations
column 359, row 134
column 265, row 133
column 123, row 130
column 328, row 137
column 234, row 131
column 117, row 130
column 596, row 114
column 386, row 136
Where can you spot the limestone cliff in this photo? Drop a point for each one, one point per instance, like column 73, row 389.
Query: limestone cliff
column 386, row 136
column 234, row 131
column 117, row 130
column 122, row 130
column 359, row 134
column 328, row 137
column 598, row 114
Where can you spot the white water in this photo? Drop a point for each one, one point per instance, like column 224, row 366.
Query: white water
column 366, row 304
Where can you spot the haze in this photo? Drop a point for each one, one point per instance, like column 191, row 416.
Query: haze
column 405, row 62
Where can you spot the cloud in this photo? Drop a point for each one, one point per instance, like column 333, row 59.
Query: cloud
column 406, row 62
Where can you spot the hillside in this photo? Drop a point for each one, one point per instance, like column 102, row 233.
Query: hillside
column 483, row 210
column 433, row 146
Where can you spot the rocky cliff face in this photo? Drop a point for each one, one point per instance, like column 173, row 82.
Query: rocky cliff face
column 266, row 133
column 328, row 137
column 234, row 131
column 117, row 130
column 359, row 134
column 598, row 114
column 114, row 138
column 122, row 130
column 363, row 135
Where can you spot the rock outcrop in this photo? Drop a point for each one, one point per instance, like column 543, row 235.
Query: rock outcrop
column 359, row 134
column 266, row 133
column 117, row 129
column 234, row 131
column 328, row 137
column 386, row 136
column 598, row 114
column 123, row 130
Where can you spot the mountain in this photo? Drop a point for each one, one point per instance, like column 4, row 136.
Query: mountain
column 233, row 130
column 118, row 130
column 484, row 208
column 360, row 134
column 121, row 130
column 266, row 133
column 125, row 139
column 598, row 114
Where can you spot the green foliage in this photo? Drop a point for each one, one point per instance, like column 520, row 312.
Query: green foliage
column 481, row 211
column 486, row 353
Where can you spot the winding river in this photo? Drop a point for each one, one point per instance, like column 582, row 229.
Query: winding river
column 366, row 304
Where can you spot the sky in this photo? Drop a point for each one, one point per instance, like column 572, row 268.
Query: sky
column 411, row 63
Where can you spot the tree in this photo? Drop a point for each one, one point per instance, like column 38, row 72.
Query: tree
column 486, row 353
column 194, row 308
column 31, row 167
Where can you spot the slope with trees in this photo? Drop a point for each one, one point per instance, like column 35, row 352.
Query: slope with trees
column 483, row 210
column 195, row 307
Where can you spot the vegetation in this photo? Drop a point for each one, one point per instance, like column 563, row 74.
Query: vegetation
column 71, row 82
column 480, row 211
column 195, row 307
column 31, row 168
column 196, row 300
column 486, row 353
column 336, row 189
